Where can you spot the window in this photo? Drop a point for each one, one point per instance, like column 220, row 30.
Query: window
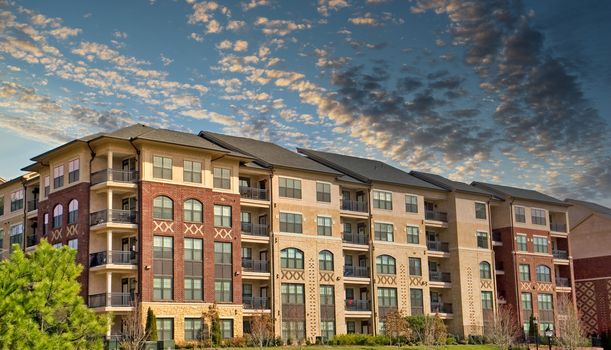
column 486, row 300
column 16, row 200
column 290, row 188
column 58, row 214
column 384, row 232
column 537, row 216
column 482, row 240
column 325, row 260
column 72, row 212
column 411, row 203
column 165, row 328
column 222, row 178
column 162, row 168
column 291, row 223
column 382, row 200
column 227, row 329
column 545, row 302
column 222, row 216
column 520, row 214
column 192, row 172
column 323, row 192
column 193, row 211
column 293, row 324
column 163, row 208
column 193, row 268
column 484, row 270
column 386, row 264
column 47, row 185
column 415, row 267
column 416, row 301
column 324, row 226
column 387, row 297
column 223, row 272
column 413, row 234
column 292, row 294
column 544, row 274
column 524, row 272
column 521, row 243
column 540, row 244
column 527, row 302
column 15, row 236
column 45, row 227
column 58, row 176
column 1, row 205
column 291, row 258
column 163, row 268
column 73, row 171
column 73, row 243
column 193, row 328
column 58, row 245
column 480, row 211
column 327, row 329
column 327, row 295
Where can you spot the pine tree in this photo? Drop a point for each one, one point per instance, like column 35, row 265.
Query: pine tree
column 217, row 336
column 151, row 325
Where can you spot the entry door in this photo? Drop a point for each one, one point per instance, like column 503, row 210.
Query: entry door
column 435, row 297
column 128, row 164
column 364, row 294
column 349, row 294
column 360, row 197
column 345, row 195
column 129, row 203
column 433, row 266
column 362, row 261
column 365, row 327
column 263, row 220
column 263, row 255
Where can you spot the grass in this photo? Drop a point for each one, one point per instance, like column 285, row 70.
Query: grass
column 378, row 347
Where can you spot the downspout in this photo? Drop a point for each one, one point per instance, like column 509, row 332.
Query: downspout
column 494, row 286
column 138, row 219
column 374, row 299
column 272, row 263
column 25, row 214
column 515, row 262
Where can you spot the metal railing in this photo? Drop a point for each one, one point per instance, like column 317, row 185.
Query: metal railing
column 113, row 215
column 443, row 308
column 256, row 303
column 437, row 276
column 32, row 205
column 562, row 282
column 560, row 254
column 557, row 227
column 350, row 205
column 356, row 271
column 436, row 215
column 118, row 257
column 253, row 193
column 114, row 175
column 111, row 299
column 31, row 241
column 438, row 246
column 255, row 229
column 355, row 238
column 255, row 265
column 358, row 305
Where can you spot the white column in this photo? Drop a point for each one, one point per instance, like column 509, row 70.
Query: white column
column 109, row 165
column 109, row 244
column 108, row 287
column 109, row 204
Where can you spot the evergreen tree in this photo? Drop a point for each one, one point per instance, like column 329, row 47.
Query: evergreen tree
column 217, row 336
column 40, row 305
column 532, row 327
column 151, row 325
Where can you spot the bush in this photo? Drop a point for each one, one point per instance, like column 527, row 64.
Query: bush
column 235, row 342
column 359, row 339
column 451, row 340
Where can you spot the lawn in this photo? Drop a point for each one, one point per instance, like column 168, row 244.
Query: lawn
column 378, row 347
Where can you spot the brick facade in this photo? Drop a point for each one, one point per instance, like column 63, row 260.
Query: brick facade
column 593, row 289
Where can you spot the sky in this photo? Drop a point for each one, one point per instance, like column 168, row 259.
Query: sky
column 511, row 92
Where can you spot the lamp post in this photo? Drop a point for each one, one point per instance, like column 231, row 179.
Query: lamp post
column 549, row 334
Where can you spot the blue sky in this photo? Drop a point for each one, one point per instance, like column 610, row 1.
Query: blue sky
column 500, row 91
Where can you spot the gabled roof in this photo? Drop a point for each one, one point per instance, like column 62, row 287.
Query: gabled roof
column 519, row 193
column 268, row 154
column 596, row 208
column 367, row 170
column 450, row 185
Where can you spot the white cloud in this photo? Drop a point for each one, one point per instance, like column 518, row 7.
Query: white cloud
column 240, row 45
column 196, row 37
column 165, row 60
column 324, row 6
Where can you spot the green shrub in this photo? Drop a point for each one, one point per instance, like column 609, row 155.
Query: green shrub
column 451, row 340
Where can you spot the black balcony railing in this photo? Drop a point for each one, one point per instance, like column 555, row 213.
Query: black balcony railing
column 562, row 282
column 114, row 216
column 111, row 299
column 356, row 271
column 355, row 238
column 358, row 305
column 32, row 205
column 436, row 215
column 114, row 175
column 255, row 303
column 557, row 227
column 255, row 265
column 560, row 254
column 359, row 206
column 31, row 241
column 438, row 246
column 437, row 276
column 253, row 193
column 442, row 308
column 118, row 257
column 249, row 228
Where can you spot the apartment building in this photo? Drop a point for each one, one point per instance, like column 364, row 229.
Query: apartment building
column 18, row 213
column 590, row 241
column 533, row 262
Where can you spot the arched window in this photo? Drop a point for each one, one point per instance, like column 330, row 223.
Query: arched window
column 484, row 270
column 325, row 260
column 544, row 274
column 163, row 208
column 58, row 214
column 72, row 212
column 193, row 210
column 291, row 258
column 386, row 264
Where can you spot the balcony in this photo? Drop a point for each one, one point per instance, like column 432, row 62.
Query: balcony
column 108, row 175
column 113, row 216
column 358, row 206
column 32, row 205
column 436, row 215
column 116, row 257
column 358, row 305
column 249, row 228
column 253, row 193
column 256, row 303
column 557, row 227
column 438, row 246
column 441, row 308
column 31, row 241
column 249, row 265
column 356, row 271
column 499, row 268
column 355, row 238
column 560, row 254
column 497, row 239
column 437, row 276
column 563, row 282
column 111, row 299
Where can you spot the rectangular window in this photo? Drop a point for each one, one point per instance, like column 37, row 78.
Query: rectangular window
column 15, row 236
column 521, row 244
column 527, row 302
column 74, row 167
column 222, row 178
column 289, row 188
column 58, row 176
column 227, row 329
column 387, row 297
column 192, row 172
column 480, row 211
column 327, row 329
column 73, row 243
column 17, row 200
column 292, row 294
column 482, row 240
column 323, row 192
column 223, row 272
column 524, row 272
column 538, row 216
column 486, row 300
column 382, row 200
column 291, row 223
column 540, row 244
column 193, row 268
column 415, row 267
column 520, row 214
column 162, row 168
column 327, row 295
column 413, row 234
column 411, row 203
column 163, row 268
column 165, row 328
column 324, row 226
column 47, row 185
column 384, row 232
column 222, row 216
column 193, row 328
column 416, row 301
column 545, row 302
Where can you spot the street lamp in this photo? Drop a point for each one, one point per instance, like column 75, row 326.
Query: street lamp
column 549, row 334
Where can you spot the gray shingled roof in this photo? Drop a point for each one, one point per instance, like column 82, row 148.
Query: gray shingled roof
column 519, row 193
column 597, row 208
column 450, row 185
column 367, row 170
column 268, row 154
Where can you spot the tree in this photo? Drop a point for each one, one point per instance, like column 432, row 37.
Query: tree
column 151, row 325
column 134, row 334
column 435, row 331
column 533, row 332
column 396, row 325
column 261, row 329
column 570, row 333
column 40, row 304
column 212, row 322
column 505, row 329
